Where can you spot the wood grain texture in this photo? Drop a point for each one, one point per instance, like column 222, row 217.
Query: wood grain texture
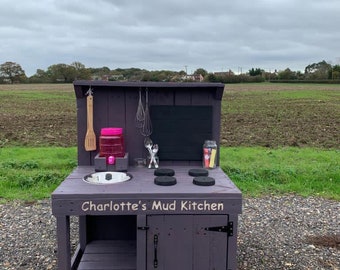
column 90, row 137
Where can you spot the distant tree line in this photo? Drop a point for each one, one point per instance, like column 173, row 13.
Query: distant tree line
column 316, row 72
column 11, row 72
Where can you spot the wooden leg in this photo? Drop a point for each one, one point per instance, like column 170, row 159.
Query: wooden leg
column 63, row 240
column 141, row 242
column 82, row 233
column 232, row 247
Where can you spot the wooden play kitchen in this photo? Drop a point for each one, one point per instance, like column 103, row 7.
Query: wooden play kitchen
column 148, row 189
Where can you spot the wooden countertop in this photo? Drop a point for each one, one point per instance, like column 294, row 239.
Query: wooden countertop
column 75, row 196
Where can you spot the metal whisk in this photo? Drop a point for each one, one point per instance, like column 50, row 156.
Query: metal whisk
column 147, row 125
column 140, row 114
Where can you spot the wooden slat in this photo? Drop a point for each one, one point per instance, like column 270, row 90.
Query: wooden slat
column 115, row 104
column 111, row 247
column 142, row 183
column 109, row 255
column 96, row 266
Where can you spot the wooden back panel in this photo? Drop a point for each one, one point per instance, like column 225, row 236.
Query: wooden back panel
column 115, row 105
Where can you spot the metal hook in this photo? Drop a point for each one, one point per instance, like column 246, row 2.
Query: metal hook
column 90, row 91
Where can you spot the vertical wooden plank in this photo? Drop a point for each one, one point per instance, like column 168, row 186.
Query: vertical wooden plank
column 116, row 106
column 232, row 244
column 174, row 247
column 207, row 97
column 134, row 141
column 99, row 119
column 202, row 97
column 156, row 224
column 217, row 120
column 141, row 242
column 84, row 158
column 218, row 242
column 63, row 241
column 182, row 97
column 100, row 109
column 161, row 96
column 82, row 233
column 100, row 115
column 210, row 248
column 177, row 242
column 217, row 128
column 201, row 243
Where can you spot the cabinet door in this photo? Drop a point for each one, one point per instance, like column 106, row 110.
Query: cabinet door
column 182, row 242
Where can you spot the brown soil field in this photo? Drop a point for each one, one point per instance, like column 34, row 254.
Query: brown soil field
column 265, row 114
column 273, row 115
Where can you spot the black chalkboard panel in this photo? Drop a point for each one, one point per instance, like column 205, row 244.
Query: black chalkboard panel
column 180, row 131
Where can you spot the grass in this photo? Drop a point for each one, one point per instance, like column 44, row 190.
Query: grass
column 33, row 173
column 276, row 138
column 305, row 171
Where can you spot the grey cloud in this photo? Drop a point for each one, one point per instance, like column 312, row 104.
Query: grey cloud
column 271, row 34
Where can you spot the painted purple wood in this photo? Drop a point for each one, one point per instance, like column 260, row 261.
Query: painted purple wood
column 136, row 210
column 174, row 242
column 109, row 255
column 70, row 196
column 141, row 241
column 73, row 196
column 115, row 104
column 154, row 85
column 63, row 241
column 183, row 243
column 111, row 227
column 232, row 243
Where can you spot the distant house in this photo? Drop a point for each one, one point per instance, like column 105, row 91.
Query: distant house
column 105, row 77
column 225, row 73
column 118, row 77
column 99, row 77
column 108, row 77
column 194, row 77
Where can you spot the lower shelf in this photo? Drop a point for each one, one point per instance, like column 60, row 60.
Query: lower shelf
column 109, row 255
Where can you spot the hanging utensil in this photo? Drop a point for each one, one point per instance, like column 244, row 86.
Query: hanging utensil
column 140, row 114
column 90, row 137
column 148, row 144
column 153, row 160
column 147, row 125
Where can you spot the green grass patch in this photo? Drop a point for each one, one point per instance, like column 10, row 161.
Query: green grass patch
column 305, row 171
column 309, row 94
column 33, row 173
column 249, row 101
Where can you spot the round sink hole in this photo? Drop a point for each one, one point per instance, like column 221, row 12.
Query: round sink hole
column 104, row 178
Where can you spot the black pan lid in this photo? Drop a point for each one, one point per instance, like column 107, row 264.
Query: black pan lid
column 165, row 180
column 198, row 172
column 164, row 172
column 204, row 181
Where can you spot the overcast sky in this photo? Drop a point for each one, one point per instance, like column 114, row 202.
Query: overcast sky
column 175, row 34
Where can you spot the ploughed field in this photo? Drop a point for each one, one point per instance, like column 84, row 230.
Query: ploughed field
column 263, row 114
column 272, row 115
